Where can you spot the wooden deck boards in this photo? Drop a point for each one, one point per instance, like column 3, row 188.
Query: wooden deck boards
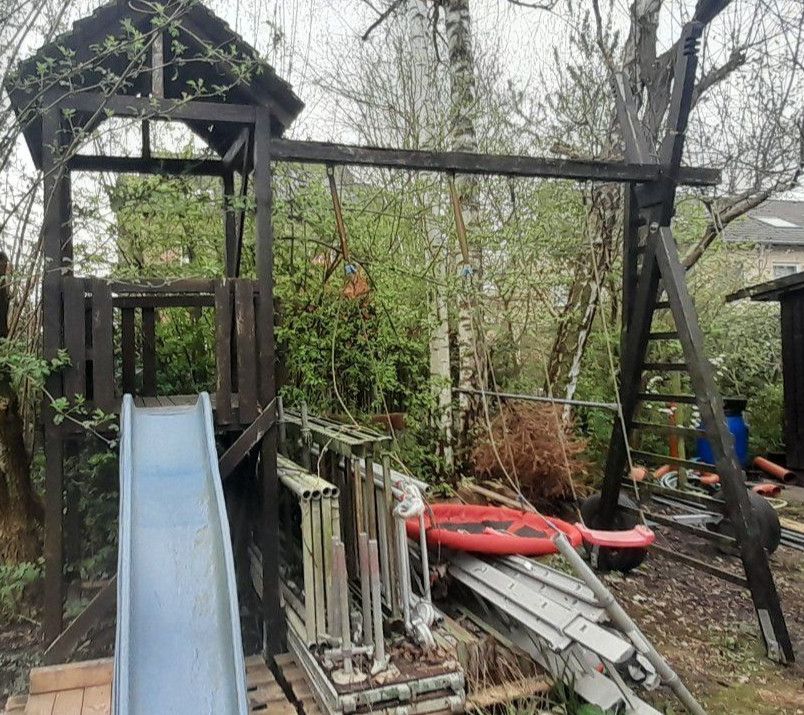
column 85, row 688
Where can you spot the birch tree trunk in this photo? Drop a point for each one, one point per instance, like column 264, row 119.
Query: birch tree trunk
column 422, row 123
column 472, row 361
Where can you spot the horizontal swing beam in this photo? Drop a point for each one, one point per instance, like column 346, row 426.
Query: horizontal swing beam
column 146, row 165
column 485, row 164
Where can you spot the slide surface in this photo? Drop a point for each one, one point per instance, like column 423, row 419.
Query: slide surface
column 178, row 647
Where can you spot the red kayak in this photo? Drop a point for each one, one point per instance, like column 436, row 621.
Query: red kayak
column 491, row 530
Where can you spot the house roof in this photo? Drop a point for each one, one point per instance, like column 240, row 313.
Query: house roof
column 198, row 45
column 775, row 222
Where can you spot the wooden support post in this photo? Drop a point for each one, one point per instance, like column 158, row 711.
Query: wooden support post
column 732, row 479
column 55, row 227
column 636, row 342
column 230, row 226
column 273, row 619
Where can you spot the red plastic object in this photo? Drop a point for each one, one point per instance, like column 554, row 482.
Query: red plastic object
column 491, row 530
column 640, row 537
column 767, row 489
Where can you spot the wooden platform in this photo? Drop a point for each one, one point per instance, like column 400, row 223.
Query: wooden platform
column 85, row 688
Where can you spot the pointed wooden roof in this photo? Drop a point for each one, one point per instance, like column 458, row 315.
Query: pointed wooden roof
column 105, row 52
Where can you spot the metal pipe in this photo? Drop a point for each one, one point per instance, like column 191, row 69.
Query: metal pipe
column 365, row 586
column 280, row 418
column 339, row 557
column 404, row 569
column 624, row 622
column 302, row 491
column 306, row 437
column 376, row 605
column 318, row 569
column 308, row 569
column 334, row 602
column 391, row 594
column 424, row 559
column 613, row 406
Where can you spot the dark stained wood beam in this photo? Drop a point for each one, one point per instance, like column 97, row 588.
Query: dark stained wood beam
column 146, row 165
column 485, row 164
column 191, row 110
column 247, row 441
column 98, row 608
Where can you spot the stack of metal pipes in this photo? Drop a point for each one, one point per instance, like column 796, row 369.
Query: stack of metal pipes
column 319, row 506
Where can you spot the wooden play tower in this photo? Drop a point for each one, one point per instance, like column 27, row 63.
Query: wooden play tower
column 186, row 65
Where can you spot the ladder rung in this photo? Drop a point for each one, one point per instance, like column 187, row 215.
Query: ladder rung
column 675, row 461
column 657, row 397
column 671, row 335
column 665, row 366
column 662, row 304
column 668, row 429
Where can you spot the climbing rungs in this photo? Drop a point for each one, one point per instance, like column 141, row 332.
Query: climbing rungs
column 668, row 429
column 665, row 366
column 659, row 397
column 637, row 455
column 662, row 305
column 670, row 335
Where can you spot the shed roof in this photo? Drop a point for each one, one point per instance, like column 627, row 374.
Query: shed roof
column 774, row 222
column 98, row 52
column 770, row 290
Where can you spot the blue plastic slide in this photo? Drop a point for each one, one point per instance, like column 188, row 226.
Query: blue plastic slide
column 178, row 648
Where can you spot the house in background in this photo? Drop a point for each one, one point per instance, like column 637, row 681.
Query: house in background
column 776, row 229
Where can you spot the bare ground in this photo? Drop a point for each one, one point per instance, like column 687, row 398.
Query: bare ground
column 708, row 630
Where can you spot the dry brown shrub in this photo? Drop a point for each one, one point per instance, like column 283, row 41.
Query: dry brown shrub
column 528, row 440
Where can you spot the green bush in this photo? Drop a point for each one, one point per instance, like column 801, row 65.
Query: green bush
column 16, row 584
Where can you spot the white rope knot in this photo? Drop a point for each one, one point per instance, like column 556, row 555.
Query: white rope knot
column 411, row 503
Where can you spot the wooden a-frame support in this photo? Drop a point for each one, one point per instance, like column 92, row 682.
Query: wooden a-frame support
column 647, row 233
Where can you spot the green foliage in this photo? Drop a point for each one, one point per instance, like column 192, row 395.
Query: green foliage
column 22, row 366
column 16, row 581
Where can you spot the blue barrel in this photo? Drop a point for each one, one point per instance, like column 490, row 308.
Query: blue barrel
column 733, row 407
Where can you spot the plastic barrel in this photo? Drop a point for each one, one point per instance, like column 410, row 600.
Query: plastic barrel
column 733, row 408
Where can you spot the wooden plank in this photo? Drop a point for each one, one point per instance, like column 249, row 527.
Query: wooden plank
column 148, row 352
column 476, row 163
column 40, row 704
column 97, row 700
column 146, row 165
column 128, row 350
column 157, row 300
column 102, row 604
column 75, row 338
column 223, row 351
column 245, row 330
column 102, row 346
column 246, row 441
column 67, row 676
column 68, row 702
column 151, row 107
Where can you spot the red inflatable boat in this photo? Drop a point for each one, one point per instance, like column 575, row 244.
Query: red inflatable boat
column 491, row 530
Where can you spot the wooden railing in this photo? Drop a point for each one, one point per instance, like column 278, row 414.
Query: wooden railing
column 100, row 324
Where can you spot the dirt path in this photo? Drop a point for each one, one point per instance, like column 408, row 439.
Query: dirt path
column 708, row 630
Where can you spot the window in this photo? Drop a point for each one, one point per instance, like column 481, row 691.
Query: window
column 780, row 270
column 776, row 222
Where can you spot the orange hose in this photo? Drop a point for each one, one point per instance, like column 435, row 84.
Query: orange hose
column 774, row 470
